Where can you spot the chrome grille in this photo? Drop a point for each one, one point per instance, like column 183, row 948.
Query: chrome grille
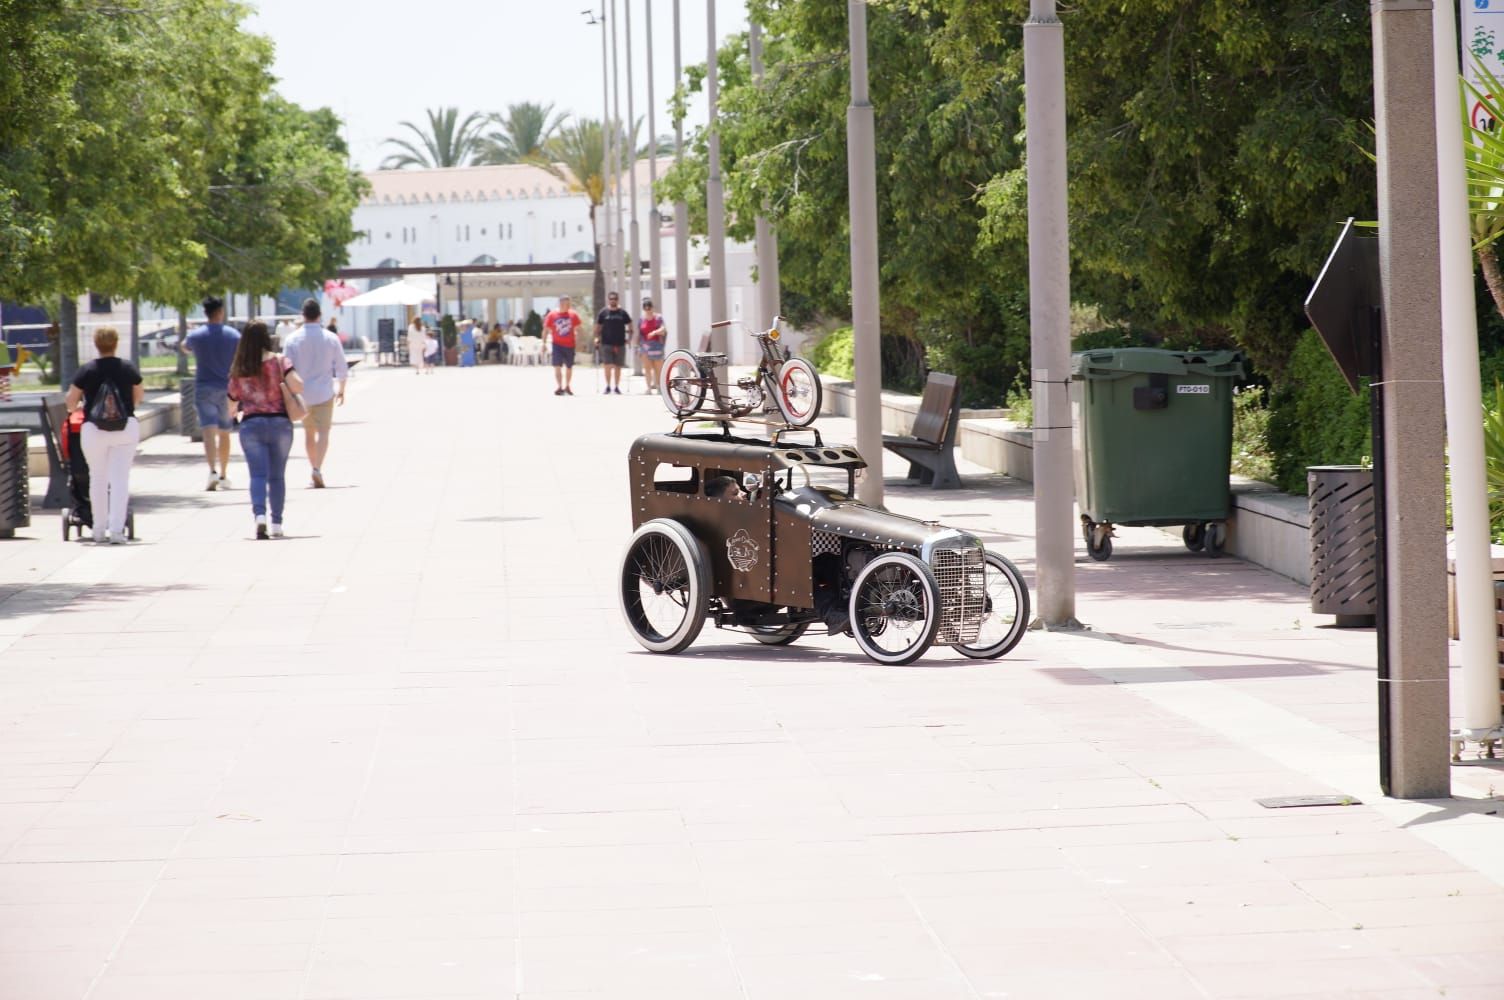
column 961, row 575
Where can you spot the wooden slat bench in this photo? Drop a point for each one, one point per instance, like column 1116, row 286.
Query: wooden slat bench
column 930, row 445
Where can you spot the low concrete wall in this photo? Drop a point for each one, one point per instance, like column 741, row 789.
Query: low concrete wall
column 1267, row 527
column 157, row 414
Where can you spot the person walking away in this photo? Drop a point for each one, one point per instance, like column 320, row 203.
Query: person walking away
column 319, row 359
column 213, row 346
column 256, row 378
column 467, row 344
column 415, row 343
column 109, row 389
column 612, row 325
column 430, row 349
column 651, row 334
column 559, row 328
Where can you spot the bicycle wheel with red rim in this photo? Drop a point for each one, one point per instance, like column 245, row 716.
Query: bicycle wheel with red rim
column 798, row 396
column 680, row 385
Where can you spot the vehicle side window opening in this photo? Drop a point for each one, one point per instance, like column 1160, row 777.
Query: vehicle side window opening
column 668, row 478
column 723, row 484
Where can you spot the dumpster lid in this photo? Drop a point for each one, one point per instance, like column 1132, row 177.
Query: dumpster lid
column 1118, row 361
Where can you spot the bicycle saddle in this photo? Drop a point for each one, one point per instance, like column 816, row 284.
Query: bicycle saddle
column 713, row 359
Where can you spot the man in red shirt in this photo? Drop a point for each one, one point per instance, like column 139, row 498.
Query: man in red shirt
column 559, row 327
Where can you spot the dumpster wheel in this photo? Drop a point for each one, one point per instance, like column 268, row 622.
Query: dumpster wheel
column 1098, row 538
column 1194, row 535
column 1215, row 538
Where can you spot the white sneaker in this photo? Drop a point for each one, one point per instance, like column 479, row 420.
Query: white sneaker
column 101, row 536
column 224, row 481
column 213, row 481
column 261, row 534
column 118, row 539
column 277, row 530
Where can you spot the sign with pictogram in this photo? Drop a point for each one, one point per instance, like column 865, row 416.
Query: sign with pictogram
column 1482, row 41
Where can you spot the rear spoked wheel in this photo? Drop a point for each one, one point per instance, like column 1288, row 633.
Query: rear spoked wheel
column 665, row 576
column 680, row 385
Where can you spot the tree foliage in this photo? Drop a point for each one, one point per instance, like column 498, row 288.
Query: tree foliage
column 1214, row 146
column 447, row 141
column 521, row 133
column 133, row 151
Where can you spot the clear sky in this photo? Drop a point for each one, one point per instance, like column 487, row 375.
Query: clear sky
column 381, row 62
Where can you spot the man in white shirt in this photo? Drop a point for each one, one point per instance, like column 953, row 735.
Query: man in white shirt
column 317, row 356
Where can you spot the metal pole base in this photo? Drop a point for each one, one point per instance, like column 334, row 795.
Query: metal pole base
column 1069, row 625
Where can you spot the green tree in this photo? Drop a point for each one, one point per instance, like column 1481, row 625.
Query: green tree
column 280, row 210
column 521, row 133
column 945, row 86
column 577, row 155
column 449, row 141
column 1215, row 146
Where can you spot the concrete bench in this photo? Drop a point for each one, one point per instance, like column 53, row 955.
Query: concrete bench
column 930, row 445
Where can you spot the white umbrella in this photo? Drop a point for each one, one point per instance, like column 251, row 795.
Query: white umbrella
column 398, row 293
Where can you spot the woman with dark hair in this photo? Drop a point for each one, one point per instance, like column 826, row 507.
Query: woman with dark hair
column 256, row 377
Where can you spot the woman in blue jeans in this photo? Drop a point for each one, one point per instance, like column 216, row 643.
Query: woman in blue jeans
column 256, row 377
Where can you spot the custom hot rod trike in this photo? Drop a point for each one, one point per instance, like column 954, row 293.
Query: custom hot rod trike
column 737, row 530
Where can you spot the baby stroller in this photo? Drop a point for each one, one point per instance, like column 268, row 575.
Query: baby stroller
column 80, row 515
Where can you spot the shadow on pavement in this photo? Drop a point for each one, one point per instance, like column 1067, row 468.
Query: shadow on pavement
column 68, row 598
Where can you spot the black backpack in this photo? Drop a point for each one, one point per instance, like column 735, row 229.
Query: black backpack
column 108, row 412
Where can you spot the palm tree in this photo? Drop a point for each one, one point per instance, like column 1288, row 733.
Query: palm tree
column 576, row 155
column 449, row 142
column 522, row 133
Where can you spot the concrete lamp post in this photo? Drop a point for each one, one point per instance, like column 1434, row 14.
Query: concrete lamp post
column 1050, row 315
column 681, row 218
column 861, row 173
column 715, row 195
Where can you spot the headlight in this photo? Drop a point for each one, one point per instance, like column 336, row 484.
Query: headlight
column 773, row 334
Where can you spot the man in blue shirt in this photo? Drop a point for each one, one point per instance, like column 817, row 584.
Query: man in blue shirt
column 213, row 346
column 317, row 356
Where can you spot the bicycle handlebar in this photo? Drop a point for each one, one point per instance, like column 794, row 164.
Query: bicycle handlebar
column 724, row 322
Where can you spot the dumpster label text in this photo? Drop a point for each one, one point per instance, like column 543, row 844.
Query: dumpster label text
column 1193, row 390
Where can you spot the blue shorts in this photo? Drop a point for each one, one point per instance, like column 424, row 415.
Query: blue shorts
column 563, row 357
column 213, row 407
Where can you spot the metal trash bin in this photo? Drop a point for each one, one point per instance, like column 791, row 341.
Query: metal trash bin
column 1344, row 544
column 188, row 409
column 15, row 486
column 1153, row 442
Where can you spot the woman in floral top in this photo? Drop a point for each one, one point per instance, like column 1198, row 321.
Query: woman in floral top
column 256, row 377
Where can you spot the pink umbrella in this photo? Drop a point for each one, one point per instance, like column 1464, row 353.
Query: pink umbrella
column 338, row 292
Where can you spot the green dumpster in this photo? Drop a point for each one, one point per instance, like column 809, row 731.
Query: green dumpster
column 1153, row 442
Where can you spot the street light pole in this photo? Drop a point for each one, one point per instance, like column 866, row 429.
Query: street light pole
column 655, row 220
column 634, row 276
column 861, row 174
column 681, row 216
column 603, row 246
column 767, row 240
column 1414, row 712
column 1049, row 314
column 619, row 263
column 715, row 197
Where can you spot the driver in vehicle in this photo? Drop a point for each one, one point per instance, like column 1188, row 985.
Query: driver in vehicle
column 722, row 488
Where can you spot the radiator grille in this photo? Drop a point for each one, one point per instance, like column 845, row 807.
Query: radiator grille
column 961, row 575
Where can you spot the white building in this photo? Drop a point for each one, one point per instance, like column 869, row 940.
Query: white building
column 523, row 215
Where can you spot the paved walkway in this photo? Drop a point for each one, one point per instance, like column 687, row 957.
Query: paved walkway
column 411, row 752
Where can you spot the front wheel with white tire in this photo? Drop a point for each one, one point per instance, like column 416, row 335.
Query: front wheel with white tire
column 680, row 384
column 797, row 392
column 1006, row 614
column 894, row 608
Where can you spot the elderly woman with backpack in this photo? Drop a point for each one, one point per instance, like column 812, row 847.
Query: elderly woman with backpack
column 109, row 389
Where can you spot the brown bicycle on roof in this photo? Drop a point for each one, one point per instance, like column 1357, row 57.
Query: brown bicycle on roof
column 790, row 383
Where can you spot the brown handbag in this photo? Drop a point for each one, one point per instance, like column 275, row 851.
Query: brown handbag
column 292, row 402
